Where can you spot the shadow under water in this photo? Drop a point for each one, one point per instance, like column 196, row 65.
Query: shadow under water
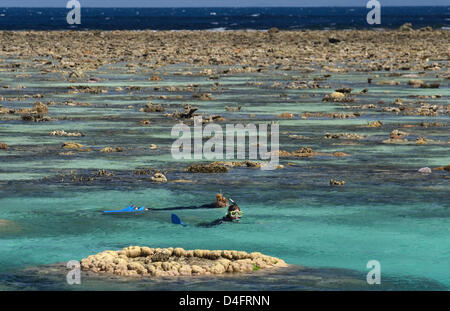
column 292, row 278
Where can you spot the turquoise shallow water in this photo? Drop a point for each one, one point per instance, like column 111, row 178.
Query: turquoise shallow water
column 386, row 211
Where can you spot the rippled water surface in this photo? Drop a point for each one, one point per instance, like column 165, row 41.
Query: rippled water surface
column 386, row 211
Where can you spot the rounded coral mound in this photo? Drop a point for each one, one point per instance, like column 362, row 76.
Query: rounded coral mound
column 145, row 261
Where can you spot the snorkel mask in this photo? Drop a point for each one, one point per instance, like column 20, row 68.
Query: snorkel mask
column 236, row 214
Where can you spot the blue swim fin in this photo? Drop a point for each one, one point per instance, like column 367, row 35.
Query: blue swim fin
column 177, row 220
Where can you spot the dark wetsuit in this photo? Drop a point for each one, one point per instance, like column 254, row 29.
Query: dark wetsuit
column 226, row 218
column 217, row 222
column 212, row 205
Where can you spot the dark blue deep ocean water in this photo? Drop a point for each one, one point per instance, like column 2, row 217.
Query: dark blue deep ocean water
column 386, row 211
column 221, row 18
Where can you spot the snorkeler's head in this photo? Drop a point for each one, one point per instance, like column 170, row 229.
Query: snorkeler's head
column 234, row 212
column 221, row 201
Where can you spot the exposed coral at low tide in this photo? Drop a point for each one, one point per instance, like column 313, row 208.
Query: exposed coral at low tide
column 66, row 134
column 214, row 167
column 306, row 152
column 145, row 261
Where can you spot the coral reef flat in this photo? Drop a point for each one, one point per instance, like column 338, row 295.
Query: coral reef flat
column 364, row 116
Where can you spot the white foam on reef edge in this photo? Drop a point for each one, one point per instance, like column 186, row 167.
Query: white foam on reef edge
column 219, row 29
column 223, row 29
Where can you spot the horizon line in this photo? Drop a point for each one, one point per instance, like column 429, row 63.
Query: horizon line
column 217, row 7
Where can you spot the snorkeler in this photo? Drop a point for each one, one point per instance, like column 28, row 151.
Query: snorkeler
column 234, row 214
column 221, row 201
